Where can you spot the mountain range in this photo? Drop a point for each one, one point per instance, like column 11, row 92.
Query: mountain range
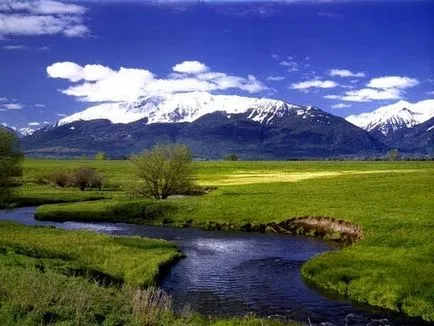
column 216, row 125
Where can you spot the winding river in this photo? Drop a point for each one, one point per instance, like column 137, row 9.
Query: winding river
column 233, row 273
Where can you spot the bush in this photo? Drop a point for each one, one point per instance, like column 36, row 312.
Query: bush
column 60, row 178
column 85, row 177
column 82, row 178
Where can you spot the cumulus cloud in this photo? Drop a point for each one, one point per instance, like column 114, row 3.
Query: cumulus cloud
column 41, row 17
column 314, row 84
column 389, row 82
column 344, row 73
column 341, row 106
column 74, row 72
column 97, row 83
column 190, row 67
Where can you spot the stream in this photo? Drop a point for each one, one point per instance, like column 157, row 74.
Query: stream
column 235, row 273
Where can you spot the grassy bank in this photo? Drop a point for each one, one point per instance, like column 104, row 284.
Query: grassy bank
column 51, row 276
column 392, row 202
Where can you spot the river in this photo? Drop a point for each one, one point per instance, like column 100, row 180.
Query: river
column 235, row 273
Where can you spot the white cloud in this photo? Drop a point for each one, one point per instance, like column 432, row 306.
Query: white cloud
column 292, row 65
column 371, row 94
column 332, row 97
column 430, row 93
column 34, row 124
column 74, row 72
column 61, row 115
column 341, row 106
column 14, row 47
column 12, row 106
column 382, row 88
column 314, row 84
column 345, row 73
column 275, row 78
column 41, row 17
column 41, row 7
column 102, row 84
column 190, row 67
column 388, row 82
column 3, row 99
column 40, row 105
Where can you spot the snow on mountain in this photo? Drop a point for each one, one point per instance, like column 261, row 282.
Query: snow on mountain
column 187, row 107
column 393, row 117
column 26, row 131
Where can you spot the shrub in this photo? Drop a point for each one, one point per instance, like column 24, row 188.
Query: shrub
column 82, row 178
column 85, row 177
column 60, row 178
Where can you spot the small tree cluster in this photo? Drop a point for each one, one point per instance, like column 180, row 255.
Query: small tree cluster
column 82, row 178
column 232, row 157
column 10, row 166
column 164, row 170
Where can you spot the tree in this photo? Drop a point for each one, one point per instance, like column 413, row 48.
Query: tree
column 101, row 156
column 392, row 154
column 10, row 166
column 164, row 170
column 232, row 157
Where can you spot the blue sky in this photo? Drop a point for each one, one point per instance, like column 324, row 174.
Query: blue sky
column 346, row 57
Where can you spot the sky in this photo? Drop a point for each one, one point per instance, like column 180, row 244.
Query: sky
column 343, row 56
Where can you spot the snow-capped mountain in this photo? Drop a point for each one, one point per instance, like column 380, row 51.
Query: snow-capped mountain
column 19, row 132
column 188, row 107
column 391, row 118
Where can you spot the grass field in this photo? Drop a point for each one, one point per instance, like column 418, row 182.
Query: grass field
column 393, row 202
column 56, row 277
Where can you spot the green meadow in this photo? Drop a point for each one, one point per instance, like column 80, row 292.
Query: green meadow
column 392, row 202
column 56, row 277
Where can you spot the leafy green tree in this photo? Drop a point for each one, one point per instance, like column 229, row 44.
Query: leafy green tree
column 10, row 166
column 101, row 156
column 164, row 170
column 232, row 157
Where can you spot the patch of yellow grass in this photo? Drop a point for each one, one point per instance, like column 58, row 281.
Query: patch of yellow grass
column 245, row 178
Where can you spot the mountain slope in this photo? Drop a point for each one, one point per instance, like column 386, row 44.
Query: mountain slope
column 417, row 139
column 276, row 133
column 389, row 119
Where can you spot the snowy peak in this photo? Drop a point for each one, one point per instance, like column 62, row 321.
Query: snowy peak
column 390, row 118
column 187, row 107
